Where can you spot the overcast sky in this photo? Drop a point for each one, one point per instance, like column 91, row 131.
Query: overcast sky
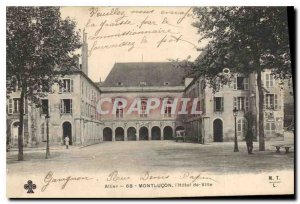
column 132, row 34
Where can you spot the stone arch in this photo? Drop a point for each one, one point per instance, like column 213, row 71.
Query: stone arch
column 218, row 130
column 119, row 134
column 67, row 131
column 107, row 134
column 155, row 133
column 144, row 133
column 168, row 133
column 131, row 134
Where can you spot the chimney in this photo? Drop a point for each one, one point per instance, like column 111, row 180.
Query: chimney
column 84, row 54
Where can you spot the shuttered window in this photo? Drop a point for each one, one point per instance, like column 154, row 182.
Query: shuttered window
column 241, row 103
column 271, row 101
column 10, row 106
column 66, row 86
column 65, row 106
column 218, row 104
column 269, row 81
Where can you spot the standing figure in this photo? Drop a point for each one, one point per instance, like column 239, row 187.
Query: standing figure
column 249, row 141
column 67, row 139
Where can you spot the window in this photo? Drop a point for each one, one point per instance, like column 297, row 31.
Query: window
column 241, row 103
column 65, row 106
column 119, row 111
column 279, row 123
column 143, row 108
column 43, row 132
column 218, row 104
column 13, row 106
column 269, row 80
column 242, row 127
column 45, row 106
column 166, row 83
column 270, row 128
column 271, row 101
column 168, row 108
column 246, row 83
column 82, row 89
column 120, row 83
column 241, row 83
column 16, row 105
column 198, row 108
column 91, row 95
column 66, row 86
column 82, row 108
column 86, row 109
column 92, row 112
column 10, row 106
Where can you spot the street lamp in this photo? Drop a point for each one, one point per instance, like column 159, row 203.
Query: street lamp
column 235, row 113
column 47, row 117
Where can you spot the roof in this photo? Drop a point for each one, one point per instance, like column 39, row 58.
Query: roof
column 73, row 69
column 145, row 74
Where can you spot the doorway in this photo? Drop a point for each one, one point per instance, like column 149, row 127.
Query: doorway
column 67, row 131
column 218, row 130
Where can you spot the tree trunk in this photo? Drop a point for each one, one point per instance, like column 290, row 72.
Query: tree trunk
column 21, row 125
column 260, row 113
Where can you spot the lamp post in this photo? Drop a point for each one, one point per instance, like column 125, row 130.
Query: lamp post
column 235, row 113
column 47, row 129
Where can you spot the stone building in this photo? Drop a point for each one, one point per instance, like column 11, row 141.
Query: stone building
column 142, row 81
column 71, row 107
column 216, row 124
column 12, row 119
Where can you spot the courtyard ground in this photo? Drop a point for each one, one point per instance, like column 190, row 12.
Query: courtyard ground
column 154, row 156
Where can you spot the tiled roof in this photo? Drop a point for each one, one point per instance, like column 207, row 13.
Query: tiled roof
column 145, row 74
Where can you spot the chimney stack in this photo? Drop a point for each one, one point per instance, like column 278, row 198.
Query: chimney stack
column 84, row 54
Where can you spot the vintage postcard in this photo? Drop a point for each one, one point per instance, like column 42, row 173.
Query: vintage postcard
column 149, row 102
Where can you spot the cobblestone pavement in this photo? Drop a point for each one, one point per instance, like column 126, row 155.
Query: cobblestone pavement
column 153, row 156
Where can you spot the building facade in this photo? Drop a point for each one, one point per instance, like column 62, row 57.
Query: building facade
column 73, row 107
column 216, row 124
column 142, row 81
column 70, row 105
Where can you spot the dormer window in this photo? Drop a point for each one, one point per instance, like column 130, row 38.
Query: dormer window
column 119, row 111
column 166, row 83
column 143, row 108
column 120, row 84
column 143, row 83
column 168, row 108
